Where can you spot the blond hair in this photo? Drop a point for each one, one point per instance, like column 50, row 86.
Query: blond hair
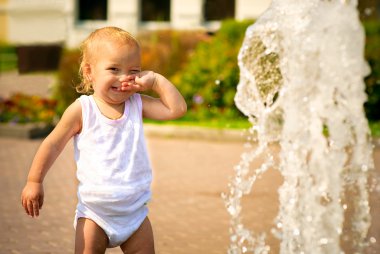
column 89, row 47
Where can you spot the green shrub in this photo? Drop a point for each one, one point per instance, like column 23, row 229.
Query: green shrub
column 205, row 68
column 208, row 81
column 166, row 51
column 372, row 54
column 67, row 77
column 8, row 57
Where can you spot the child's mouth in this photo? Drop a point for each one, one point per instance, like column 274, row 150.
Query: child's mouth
column 117, row 88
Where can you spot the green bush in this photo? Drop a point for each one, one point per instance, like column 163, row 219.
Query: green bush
column 67, row 78
column 208, row 81
column 372, row 54
column 166, row 51
column 8, row 57
column 205, row 68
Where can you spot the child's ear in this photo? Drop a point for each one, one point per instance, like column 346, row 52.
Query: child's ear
column 87, row 72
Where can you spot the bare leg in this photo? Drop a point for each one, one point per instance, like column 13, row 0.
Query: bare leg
column 141, row 241
column 89, row 238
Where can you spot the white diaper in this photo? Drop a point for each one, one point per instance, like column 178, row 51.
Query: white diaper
column 118, row 228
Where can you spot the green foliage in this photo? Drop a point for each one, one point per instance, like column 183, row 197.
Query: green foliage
column 205, row 68
column 8, row 57
column 208, row 81
column 372, row 54
column 375, row 129
column 67, row 79
column 165, row 51
column 21, row 108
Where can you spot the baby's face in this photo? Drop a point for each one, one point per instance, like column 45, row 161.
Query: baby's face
column 113, row 64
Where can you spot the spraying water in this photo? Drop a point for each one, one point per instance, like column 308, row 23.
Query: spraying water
column 302, row 67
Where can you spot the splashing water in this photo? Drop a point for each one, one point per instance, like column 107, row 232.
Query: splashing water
column 301, row 85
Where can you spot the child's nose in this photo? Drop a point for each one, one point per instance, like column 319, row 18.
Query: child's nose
column 123, row 78
column 127, row 77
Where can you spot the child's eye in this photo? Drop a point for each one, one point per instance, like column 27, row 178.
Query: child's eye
column 114, row 69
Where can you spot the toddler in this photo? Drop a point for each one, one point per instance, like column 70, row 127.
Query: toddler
column 113, row 168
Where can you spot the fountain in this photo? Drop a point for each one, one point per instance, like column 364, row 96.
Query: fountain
column 301, row 85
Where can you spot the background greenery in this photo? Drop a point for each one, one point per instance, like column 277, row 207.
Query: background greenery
column 204, row 67
column 8, row 57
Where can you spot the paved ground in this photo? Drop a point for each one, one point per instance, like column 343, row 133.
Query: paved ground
column 186, row 211
column 12, row 82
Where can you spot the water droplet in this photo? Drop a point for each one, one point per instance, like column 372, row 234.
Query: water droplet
column 368, row 11
column 323, row 241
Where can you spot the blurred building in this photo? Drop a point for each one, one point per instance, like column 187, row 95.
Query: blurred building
column 70, row 21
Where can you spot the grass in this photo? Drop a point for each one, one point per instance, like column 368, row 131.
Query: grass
column 213, row 123
column 239, row 123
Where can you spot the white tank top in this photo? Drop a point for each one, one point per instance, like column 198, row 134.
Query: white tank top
column 113, row 167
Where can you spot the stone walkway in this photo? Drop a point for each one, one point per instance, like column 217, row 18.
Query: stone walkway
column 187, row 212
column 32, row 84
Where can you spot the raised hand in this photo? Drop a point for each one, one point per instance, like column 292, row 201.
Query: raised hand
column 143, row 81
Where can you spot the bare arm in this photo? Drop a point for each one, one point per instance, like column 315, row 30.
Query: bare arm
column 47, row 153
column 169, row 105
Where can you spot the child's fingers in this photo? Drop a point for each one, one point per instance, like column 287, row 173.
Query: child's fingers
column 25, row 205
column 36, row 208
column 30, row 208
column 41, row 201
column 33, row 208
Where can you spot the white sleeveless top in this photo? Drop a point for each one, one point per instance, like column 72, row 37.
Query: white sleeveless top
column 113, row 167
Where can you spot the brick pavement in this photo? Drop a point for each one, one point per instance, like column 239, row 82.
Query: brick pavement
column 32, row 84
column 186, row 210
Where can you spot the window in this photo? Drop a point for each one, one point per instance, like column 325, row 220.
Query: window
column 92, row 9
column 218, row 9
column 153, row 10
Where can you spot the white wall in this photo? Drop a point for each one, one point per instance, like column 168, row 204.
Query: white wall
column 49, row 21
column 250, row 9
column 36, row 21
column 186, row 14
